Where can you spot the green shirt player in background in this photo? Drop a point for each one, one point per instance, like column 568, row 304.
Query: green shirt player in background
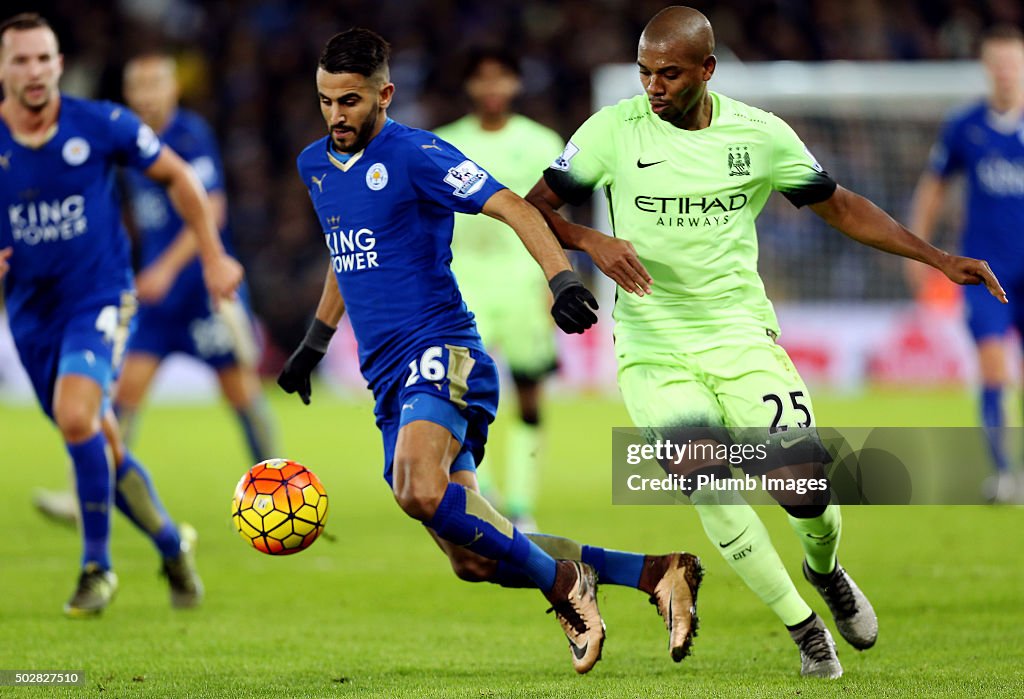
column 686, row 172
column 511, row 316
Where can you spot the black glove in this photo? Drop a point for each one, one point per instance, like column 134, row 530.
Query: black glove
column 294, row 378
column 575, row 308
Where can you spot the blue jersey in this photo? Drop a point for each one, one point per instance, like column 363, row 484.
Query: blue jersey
column 387, row 216
column 990, row 153
column 159, row 224
column 63, row 215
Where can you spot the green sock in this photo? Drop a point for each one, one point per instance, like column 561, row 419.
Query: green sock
column 521, row 476
column 820, row 538
column 740, row 536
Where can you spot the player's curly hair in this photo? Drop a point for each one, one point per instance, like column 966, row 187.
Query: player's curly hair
column 357, row 50
column 477, row 55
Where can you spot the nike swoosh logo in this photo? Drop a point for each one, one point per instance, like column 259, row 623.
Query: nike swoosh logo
column 787, row 443
column 733, row 541
column 579, row 651
column 643, row 165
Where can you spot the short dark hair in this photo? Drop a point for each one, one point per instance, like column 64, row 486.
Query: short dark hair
column 1002, row 32
column 22, row 22
column 356, row 51
column 479, row 55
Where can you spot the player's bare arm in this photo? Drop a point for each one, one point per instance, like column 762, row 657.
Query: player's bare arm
column 924, row 212
column 295, row 376
column 616, row 258
column 574, row 307
column 860, row 219
column 156, row 279
column 221, row 272
column 331, row 307
column 510, row 209
column 5, row 255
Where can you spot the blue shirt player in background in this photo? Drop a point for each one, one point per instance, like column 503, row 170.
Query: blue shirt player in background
column 67, row 282
column 985, row 143
column 175, row 311
column 385, row 195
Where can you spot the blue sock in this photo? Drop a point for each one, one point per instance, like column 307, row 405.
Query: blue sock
column 614, row 567
column 258, row 427
column 137, row 499
column 992, row 419
column 93, row 481
column 487, row 533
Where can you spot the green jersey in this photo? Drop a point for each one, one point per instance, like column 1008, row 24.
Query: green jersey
column 687, row 200
column 485, row 250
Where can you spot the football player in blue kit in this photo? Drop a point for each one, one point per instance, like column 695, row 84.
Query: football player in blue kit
column 175, row 312
column 985, row 143
column 385, row 196
column 68, row 287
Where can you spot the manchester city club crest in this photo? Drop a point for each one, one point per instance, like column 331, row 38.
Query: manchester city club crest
column 739, row 160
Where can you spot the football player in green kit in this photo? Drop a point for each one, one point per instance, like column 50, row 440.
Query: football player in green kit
column 686, row 172
column 512, row 316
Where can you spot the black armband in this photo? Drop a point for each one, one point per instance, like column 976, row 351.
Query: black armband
column 817, row 190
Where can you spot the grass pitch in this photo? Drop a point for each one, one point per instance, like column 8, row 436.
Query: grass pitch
column 377, row 613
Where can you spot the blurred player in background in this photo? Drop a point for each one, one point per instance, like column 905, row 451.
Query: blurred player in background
column 176, row 313
column 985, row 142
column 512, row 315
column 67, row 280
column 687, row 171
column 175, row 310
column 385, row 196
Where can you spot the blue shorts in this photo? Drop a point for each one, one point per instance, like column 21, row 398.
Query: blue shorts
column 455, row 387
column 190, row 326
column 88, row 343
column 986, row 317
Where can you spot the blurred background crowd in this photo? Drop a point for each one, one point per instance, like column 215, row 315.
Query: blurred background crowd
column 248, row 66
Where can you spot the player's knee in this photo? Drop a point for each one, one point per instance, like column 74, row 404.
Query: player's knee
column 417, row 498
column 76, row 420
column 471, row 567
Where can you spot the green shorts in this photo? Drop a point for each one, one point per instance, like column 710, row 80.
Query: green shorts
column 744, row 389
column 515, row 322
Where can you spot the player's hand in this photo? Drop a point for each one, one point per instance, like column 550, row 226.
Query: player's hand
column 575, row 308
column 295, row 377
column 5, row 255
column 967, row 270
column 153, row 283
column 222, row 276
column 618, row 260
